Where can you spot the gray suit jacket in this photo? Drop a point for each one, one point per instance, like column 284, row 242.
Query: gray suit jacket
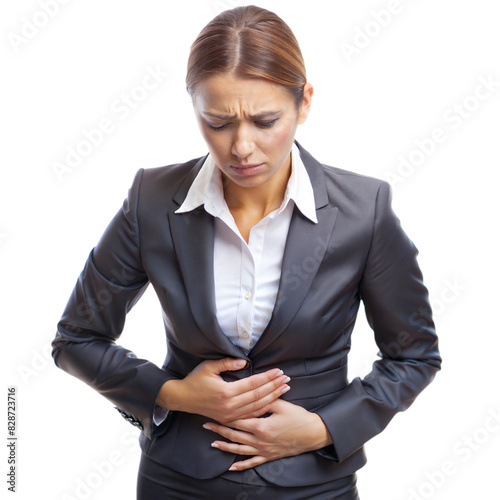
column 357, row 251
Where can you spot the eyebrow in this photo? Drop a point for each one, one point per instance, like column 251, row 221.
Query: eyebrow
column 254, row 117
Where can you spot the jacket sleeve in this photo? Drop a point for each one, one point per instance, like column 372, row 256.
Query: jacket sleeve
column 398, row 310
column 111, row 282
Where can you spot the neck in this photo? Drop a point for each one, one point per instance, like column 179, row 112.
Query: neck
column 259, row 200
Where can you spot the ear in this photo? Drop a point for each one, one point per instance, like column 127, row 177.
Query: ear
column 306, row 103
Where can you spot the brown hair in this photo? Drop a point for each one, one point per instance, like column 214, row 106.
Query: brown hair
column 249, row 42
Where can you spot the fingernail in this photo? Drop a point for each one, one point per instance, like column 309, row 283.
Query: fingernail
column 232, row 468
column 279, row 373
column 287, row 380
column 285, row 389
column 215, row 445
column 207, row 427
column 240, row 363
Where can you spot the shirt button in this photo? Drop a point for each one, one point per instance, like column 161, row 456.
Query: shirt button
column 248, row 295
column 245, row 335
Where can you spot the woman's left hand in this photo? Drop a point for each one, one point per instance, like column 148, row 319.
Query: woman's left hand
column 289, row 431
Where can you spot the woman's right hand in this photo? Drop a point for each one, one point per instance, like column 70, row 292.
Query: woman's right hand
column 205, row 392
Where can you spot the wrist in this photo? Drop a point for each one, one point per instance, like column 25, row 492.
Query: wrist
column 170, row 395
column 322, row 436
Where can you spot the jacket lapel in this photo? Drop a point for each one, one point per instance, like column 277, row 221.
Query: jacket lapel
column 304, row 251
column 193, row 237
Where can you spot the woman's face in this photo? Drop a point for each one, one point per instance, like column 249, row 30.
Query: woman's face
column 249, row 126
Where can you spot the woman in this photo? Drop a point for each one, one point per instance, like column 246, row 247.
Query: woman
column 259, row 256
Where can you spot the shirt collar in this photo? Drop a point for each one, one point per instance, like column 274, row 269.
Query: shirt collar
column 207, row 189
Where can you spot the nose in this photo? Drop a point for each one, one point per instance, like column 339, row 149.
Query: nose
column 243, row 142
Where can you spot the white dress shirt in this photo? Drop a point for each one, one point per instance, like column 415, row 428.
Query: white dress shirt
column 247, row 275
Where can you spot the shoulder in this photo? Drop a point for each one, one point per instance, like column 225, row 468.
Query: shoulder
column 166, row 177
column 351, row 185
column 364, row 204
column 156, row 191
column 164, row 184
column 358, row 197
column 347, row 178
column 344, row 187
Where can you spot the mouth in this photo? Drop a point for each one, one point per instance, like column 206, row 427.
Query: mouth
column 247, row 169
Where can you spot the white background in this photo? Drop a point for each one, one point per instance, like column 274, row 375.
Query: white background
column 65, row 72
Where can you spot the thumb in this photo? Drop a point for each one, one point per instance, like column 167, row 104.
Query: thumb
column 228, row 364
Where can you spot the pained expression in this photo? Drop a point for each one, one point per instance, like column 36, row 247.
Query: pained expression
column 249, row 126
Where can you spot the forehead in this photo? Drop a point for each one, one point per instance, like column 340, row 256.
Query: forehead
column 227, row 94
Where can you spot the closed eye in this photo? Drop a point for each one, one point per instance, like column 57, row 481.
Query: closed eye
column 221, row 127
column 261, row 124
column 268, row 124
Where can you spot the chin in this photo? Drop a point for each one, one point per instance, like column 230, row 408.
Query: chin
column 249, row 182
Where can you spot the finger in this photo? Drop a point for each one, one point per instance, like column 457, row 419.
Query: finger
column 246, row 414
column 237, row 449
column 245, row 424
column 248, row 464
column 259, row 386
column 258, row 401
column 233, row 435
